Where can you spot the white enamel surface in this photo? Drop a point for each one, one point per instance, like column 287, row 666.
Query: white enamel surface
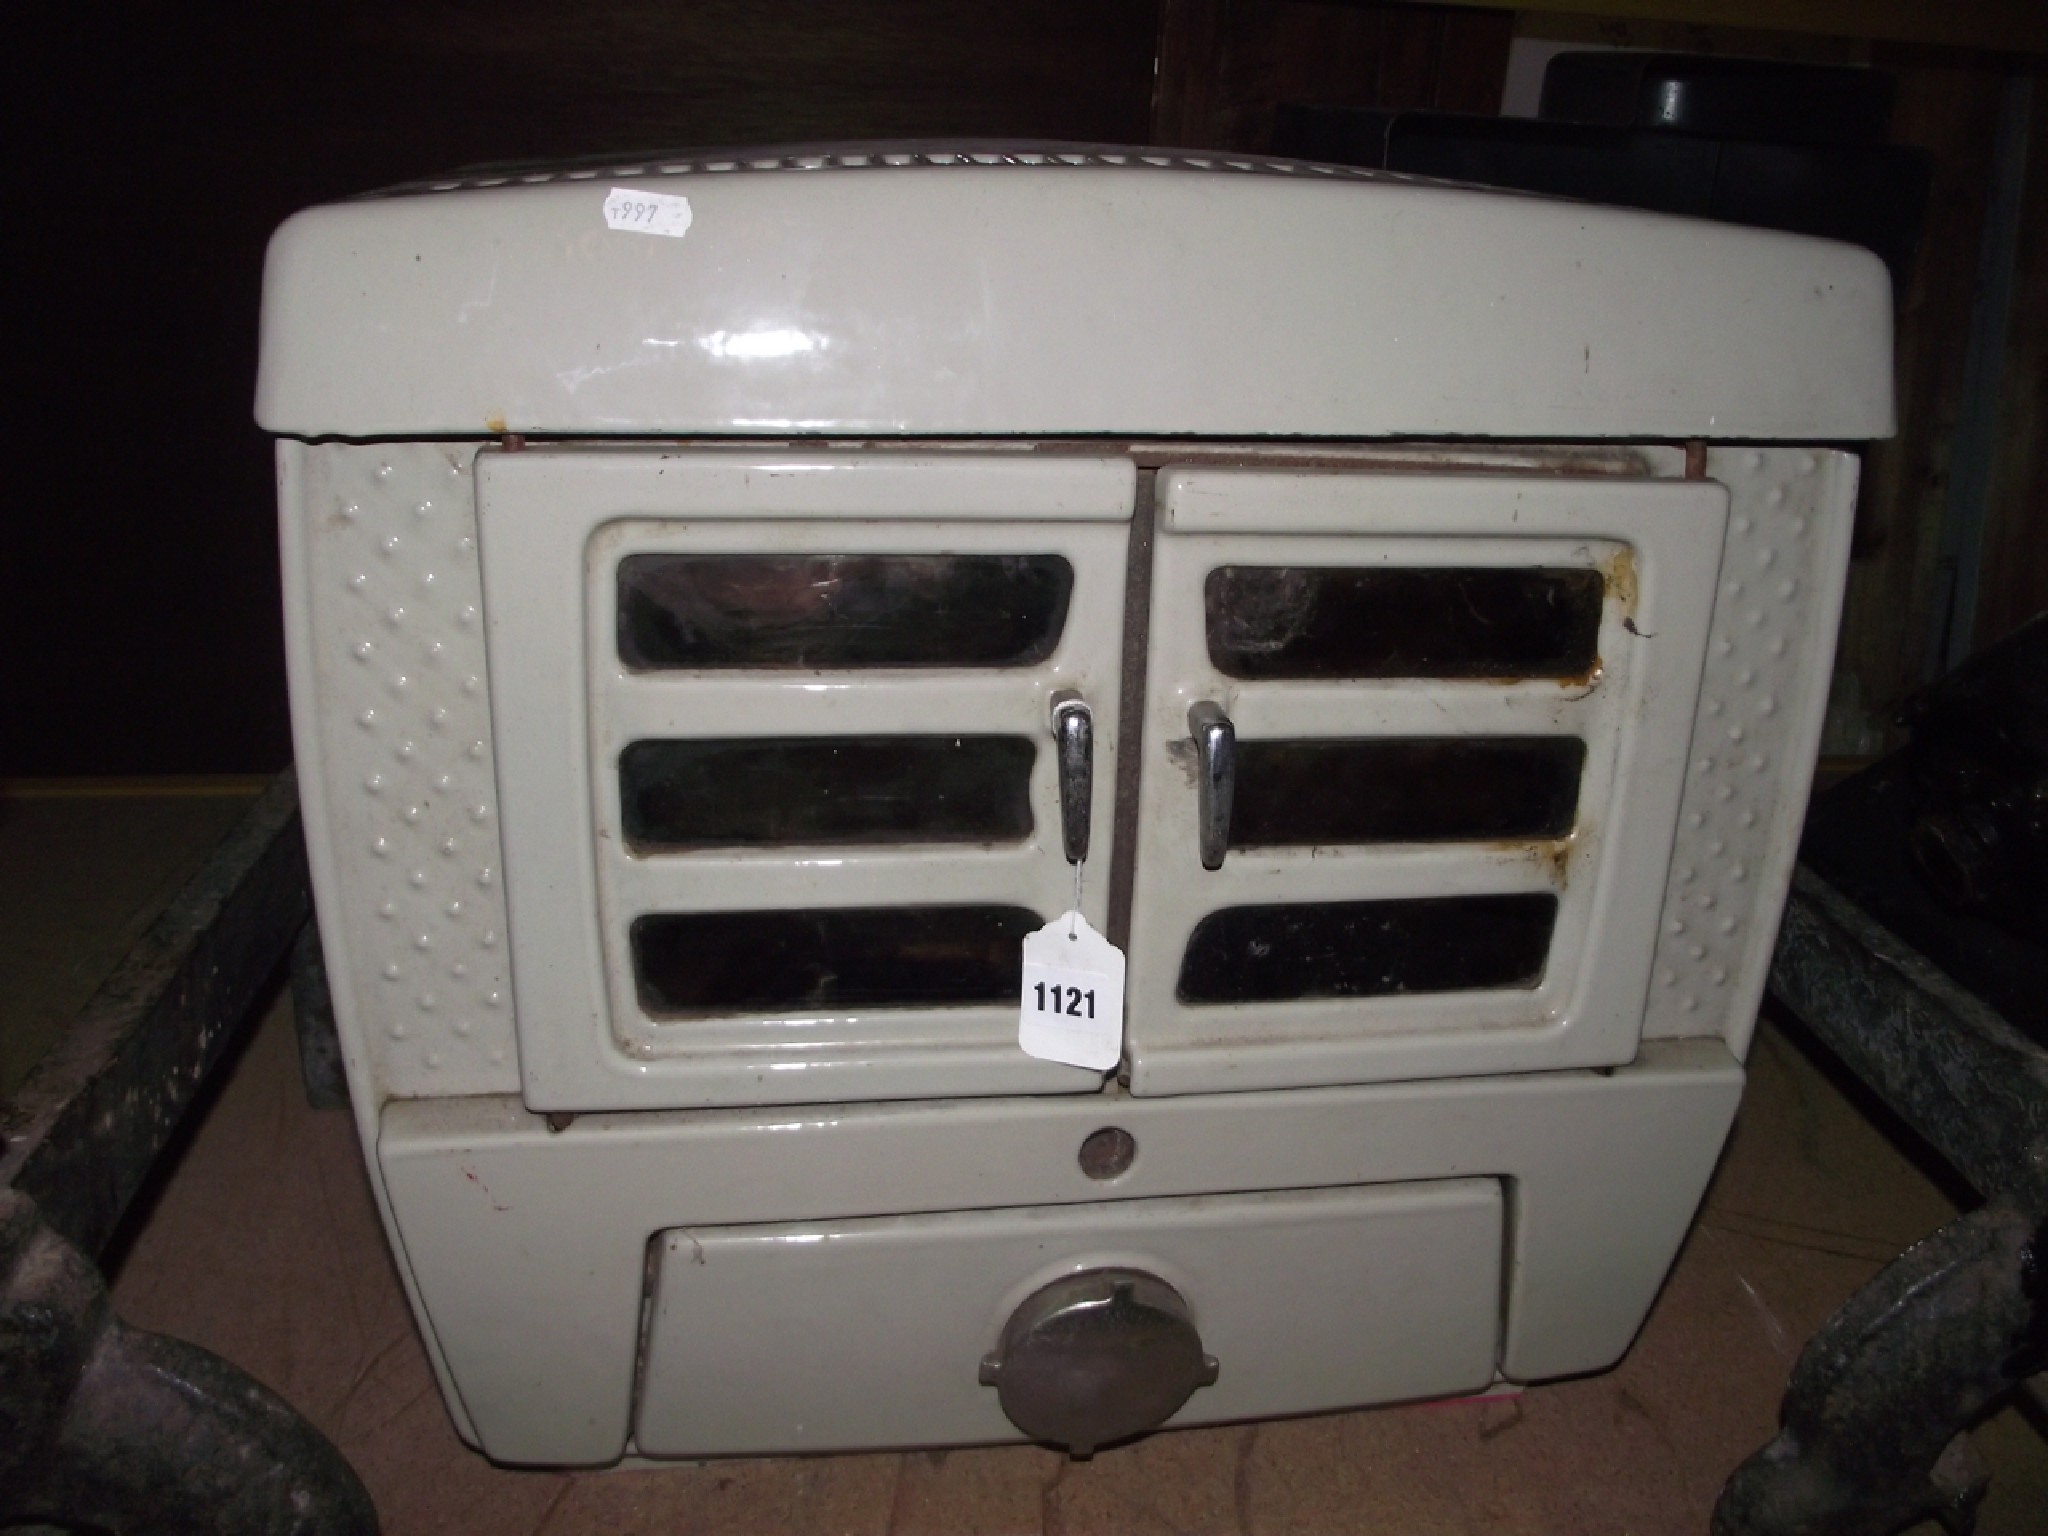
column 554, row 525
column 338, row 508
column 357, row 546
column 1776, row 610
column 523, row 1251
column 1032, row 299
column 1659, row 540
column 391, row 723
column 1308, row 1300
column 529, row 1248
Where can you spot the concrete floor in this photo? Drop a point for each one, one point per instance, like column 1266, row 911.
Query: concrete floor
column 262, row 1244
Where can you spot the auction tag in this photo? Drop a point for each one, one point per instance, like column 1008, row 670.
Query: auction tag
column 1073, row 1003
column 647, row 213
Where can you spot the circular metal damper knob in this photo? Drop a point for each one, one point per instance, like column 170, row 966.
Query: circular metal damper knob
column 1097, row 1357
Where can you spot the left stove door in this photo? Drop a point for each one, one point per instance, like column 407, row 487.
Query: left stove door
column 776, row 768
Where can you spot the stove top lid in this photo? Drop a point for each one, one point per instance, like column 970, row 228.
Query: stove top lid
column 1026, row 290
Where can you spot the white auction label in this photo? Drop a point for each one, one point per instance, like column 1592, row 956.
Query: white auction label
column 1073, row 1003
column 647, row 213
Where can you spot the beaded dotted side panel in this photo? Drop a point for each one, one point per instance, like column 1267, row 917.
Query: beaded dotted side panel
column 1769, row 658
column 390, row 700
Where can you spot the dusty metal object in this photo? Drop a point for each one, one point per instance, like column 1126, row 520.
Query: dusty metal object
column 85, row 1126
column 1877, row 1402
column 1911, row 947
column 1957, row 1072
column 102, row 1425
column 320, row 1066
column 1097, row 1357
column 1874, row 1418
column 112, row 1428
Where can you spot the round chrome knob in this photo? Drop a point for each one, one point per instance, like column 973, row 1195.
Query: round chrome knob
column 1097, row 1357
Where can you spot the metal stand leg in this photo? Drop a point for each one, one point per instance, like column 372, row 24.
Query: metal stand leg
column 313, row 1008
column 109, row 1427
column 1881, row 1396
column 1879, row 1399
column 101, row 1425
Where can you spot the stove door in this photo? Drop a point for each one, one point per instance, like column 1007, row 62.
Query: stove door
column 776, row 762
column 1413, row 746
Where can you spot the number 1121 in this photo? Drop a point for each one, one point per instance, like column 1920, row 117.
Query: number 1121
column 1066, row 1001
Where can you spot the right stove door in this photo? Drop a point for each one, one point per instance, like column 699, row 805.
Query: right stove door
column 1413, row 748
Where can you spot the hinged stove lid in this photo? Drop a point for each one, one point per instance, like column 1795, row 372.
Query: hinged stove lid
column 1055, row 290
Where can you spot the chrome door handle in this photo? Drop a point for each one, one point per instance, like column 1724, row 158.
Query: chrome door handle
column 1216, row 747
column 1073, row 734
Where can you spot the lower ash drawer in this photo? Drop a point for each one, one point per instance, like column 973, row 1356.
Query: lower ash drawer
column 830, row 1336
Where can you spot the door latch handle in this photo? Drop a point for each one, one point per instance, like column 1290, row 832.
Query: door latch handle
column 1073, row 734
column 1216, row 748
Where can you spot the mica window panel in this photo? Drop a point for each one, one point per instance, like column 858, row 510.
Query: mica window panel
column 1357, row 790
column 825, row 791
column 1445, row 621
column 840, row 611
column 791, row 961
column 1296, row 951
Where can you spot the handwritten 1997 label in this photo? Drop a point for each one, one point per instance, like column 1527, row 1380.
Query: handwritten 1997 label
column 647, row 213
column 1072, row 1009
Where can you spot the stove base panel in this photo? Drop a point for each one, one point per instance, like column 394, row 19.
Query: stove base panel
column 529, row 1248
column 1307, row 1300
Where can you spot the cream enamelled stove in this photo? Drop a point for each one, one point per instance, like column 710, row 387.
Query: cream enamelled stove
column 738, row 607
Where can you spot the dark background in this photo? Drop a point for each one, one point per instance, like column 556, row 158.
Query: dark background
column 156, row 145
